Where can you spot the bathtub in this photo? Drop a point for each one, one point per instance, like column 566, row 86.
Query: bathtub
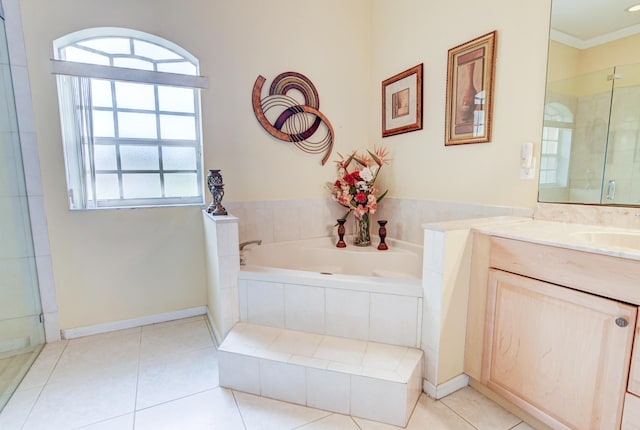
column 355, row 292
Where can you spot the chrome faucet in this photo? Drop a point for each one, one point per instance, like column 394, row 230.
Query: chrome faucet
column 243, row 244
column 243, row 259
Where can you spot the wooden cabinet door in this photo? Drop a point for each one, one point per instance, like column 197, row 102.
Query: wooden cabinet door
column 557, row 353
column 634, row 374
column 631, row 415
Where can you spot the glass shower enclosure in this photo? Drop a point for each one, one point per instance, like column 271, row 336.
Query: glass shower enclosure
column 21, row 328
column 591, row 139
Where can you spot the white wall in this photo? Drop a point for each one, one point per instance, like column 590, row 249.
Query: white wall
column 410, row 32
column 121, row 264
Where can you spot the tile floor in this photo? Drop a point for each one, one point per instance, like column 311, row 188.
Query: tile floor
column 13, row 368
column 165, row 376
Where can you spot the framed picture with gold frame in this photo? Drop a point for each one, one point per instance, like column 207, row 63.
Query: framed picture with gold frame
column 470, row 74
column 402, row 102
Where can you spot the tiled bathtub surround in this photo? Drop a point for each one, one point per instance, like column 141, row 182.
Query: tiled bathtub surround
column 364, row 379
column 379, row 312
column 281, row 220
column 445, row 280
column 223, row 265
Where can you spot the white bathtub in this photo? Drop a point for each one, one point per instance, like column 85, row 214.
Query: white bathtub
column 401, row 260
column 355, row 292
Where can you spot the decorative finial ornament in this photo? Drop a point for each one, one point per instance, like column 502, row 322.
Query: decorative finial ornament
column 216, row 187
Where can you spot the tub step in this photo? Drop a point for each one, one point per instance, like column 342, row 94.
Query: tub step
column 370, row 380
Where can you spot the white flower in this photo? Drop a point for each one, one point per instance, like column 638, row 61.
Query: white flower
column 366, row 174
column 362, row 186
column 374, row 169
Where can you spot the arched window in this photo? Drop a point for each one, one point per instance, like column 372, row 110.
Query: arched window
column 556, row 145
column 130, row 115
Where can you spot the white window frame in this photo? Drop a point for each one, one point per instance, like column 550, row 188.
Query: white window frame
column 78, row 136
column 559, row 118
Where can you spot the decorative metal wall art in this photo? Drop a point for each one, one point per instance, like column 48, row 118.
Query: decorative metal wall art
column 289, row 120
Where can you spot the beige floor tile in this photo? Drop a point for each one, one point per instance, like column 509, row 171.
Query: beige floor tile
column 42, row 368
column 428, row 414
column 523, row 426
column 17, row 409
column 12, row 370
column 173, row 376
column 373, row 425
column 65, row 406
column 170, row 370
column 434, row 415
column 96, row 359
column 107, row 335
column 124, row 422
column 164, row 325
column 480, row 411
column 268, row 414
column 211, row 410
column 332, row 422
column 175, row 338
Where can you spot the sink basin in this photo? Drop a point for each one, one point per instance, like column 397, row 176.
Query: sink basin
column 629, row 240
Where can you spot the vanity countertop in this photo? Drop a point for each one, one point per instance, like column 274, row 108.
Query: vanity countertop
column 615, row 242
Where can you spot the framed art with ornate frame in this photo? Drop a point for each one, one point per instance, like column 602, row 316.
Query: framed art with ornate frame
column 470, row 74
column 402, row 102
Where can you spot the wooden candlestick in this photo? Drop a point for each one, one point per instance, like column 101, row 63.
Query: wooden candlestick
column 382, row 233
column 341, row 243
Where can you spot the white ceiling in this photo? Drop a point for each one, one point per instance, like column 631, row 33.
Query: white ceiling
column 586, row 23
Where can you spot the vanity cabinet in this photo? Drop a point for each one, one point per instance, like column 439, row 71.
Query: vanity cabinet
column 631, row 417
column 634, row 374
column 556, row 352
column 551, row 331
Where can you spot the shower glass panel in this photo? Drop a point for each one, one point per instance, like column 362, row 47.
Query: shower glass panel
column 574, row 142
column 591, row 139
column 622, row 168
column 21, row 329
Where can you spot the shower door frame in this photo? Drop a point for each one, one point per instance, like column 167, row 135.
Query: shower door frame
column 31, row 167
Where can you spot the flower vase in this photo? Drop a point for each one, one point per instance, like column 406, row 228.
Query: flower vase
column 363, row 231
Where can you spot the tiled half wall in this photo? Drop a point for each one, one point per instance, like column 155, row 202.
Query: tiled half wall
column 282, row 220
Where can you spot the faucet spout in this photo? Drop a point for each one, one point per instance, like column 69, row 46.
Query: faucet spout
column 243, row 244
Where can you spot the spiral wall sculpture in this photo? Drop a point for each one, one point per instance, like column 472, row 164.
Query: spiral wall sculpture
column 291, row 121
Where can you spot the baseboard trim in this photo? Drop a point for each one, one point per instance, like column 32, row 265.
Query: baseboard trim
column 217, row 336
column 73, row 333
column 443, row 390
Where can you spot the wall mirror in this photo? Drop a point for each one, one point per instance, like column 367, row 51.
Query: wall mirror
column 590, row 150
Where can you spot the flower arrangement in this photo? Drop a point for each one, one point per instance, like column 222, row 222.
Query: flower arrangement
column 355, row 189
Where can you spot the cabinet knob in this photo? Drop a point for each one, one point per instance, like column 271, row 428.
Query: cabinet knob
column 621, row 322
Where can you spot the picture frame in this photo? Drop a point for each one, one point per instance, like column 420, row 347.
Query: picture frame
column 469, row 102
column 402, row 102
